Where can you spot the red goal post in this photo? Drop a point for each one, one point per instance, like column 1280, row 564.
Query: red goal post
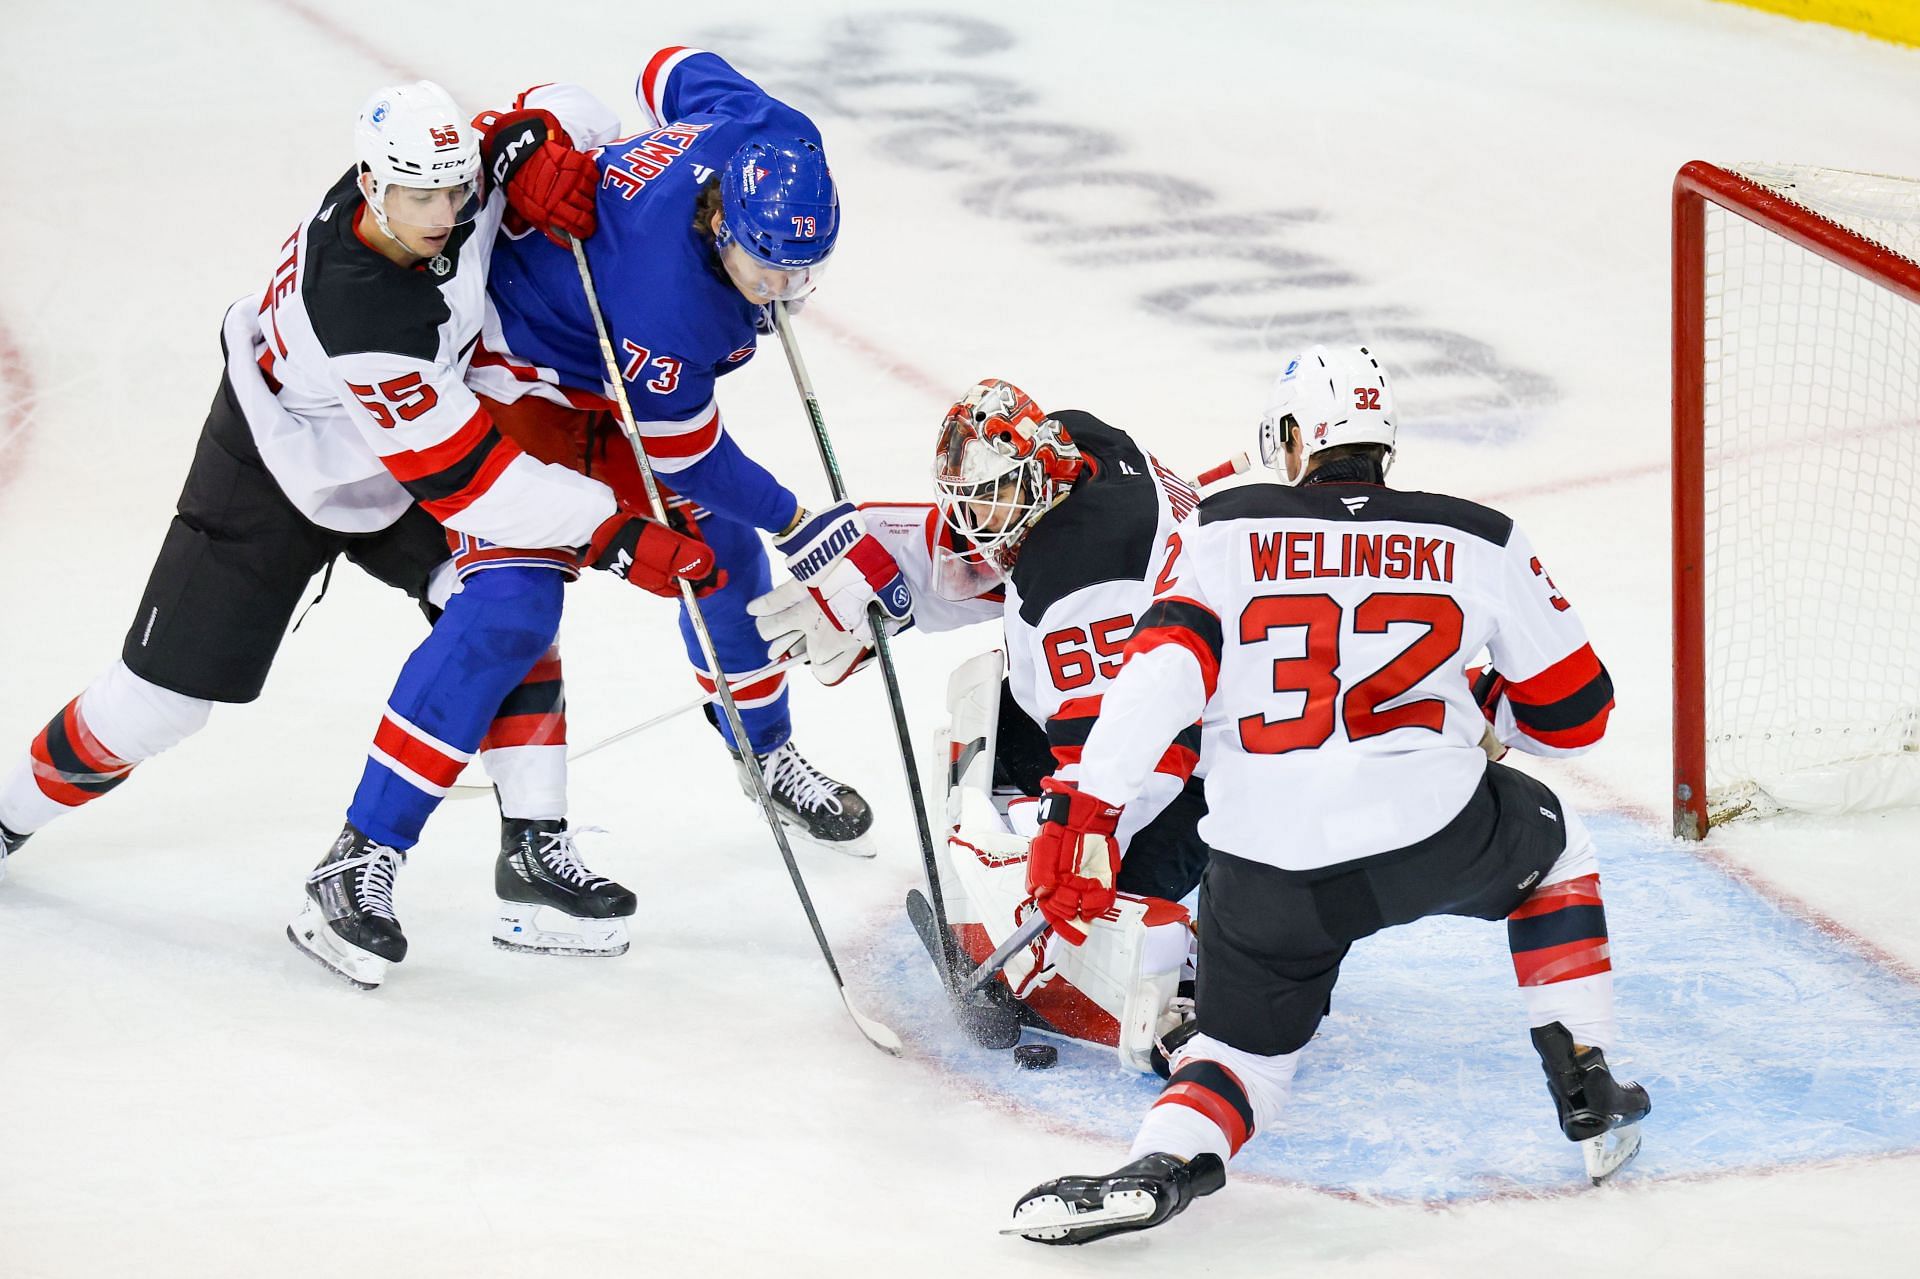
column 1779, row 397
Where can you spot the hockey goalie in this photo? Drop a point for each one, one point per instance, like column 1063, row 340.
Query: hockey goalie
column 1055, row 524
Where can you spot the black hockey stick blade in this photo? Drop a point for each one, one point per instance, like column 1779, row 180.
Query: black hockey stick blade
column 985, row 1022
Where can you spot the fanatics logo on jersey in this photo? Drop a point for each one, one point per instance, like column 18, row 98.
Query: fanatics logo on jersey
column 1353, row 504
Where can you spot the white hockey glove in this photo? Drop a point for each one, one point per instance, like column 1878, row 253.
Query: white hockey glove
column 839, row 569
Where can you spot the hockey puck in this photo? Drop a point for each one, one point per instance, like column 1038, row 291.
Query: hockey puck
column 1035, row 1056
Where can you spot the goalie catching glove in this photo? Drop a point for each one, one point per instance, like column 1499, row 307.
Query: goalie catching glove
column 838, row 570
column 653, row 556
column 1073, row 860
column 547, row 182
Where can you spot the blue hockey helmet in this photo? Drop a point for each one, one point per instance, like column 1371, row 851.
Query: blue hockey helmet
column 780, row 210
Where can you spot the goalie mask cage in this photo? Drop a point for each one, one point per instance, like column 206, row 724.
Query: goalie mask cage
column 1796, row 492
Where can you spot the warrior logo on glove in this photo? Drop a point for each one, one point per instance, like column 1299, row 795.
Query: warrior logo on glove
column 839, row 569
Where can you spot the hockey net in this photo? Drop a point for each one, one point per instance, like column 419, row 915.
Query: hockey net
column 1796, row 492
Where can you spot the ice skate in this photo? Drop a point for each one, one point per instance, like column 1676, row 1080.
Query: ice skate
column 348, row 925
column 827, row 812
column 1139, row 1196
column 550, row 903
column 1603, row 1116
column 8, row 842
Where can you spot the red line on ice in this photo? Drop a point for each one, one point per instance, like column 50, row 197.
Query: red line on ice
column 17, row 402
column 347, row 36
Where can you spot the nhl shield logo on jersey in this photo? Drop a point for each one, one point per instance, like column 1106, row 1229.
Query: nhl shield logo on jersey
column 439, row 264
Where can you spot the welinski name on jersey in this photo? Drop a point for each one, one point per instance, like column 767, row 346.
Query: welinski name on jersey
column 1297, row 555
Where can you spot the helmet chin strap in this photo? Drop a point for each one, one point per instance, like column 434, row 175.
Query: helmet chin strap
column 377, row 201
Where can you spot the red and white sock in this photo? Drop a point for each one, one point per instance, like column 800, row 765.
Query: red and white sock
column 525, row 749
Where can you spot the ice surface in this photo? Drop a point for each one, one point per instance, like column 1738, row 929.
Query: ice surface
column 1124, row 207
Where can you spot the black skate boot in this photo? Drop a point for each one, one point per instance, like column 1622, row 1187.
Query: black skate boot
column 1599, row 1113
column 550, row 903
column 9, row 841
column 1138, row 1197
column 348, row 924
column 824, row 810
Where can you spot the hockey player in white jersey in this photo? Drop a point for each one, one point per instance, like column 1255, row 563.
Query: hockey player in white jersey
column 1320, row 630
column 343, row 426
column 1052, row 523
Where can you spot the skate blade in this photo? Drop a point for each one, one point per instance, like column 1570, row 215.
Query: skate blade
column 545, row 930
column 349, row 963
column 861, row 846
column 1610, row 1151
column 1051, row 1219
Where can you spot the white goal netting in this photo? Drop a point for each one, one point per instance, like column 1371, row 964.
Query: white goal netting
column 1812, row 437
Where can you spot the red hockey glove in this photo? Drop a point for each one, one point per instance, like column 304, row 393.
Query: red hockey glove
column 1073, row 859
column 1488, row 686
column 652, row 556
column 547, row 182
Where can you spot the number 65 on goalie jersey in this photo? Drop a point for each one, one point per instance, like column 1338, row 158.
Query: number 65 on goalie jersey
column 1326, row 628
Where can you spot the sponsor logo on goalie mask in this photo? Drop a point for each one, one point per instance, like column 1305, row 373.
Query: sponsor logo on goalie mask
column 378, row 115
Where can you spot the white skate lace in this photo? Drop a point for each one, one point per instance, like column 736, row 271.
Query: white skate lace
column 788, row 772
column 558, row 854
column 373, row 887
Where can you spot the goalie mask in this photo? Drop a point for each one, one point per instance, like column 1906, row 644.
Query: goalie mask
column 1326, row 397
column 999, row 466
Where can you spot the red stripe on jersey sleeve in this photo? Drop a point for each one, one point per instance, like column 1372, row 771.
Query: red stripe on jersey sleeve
column 1184, row 622
column 1574, row 738
column 447, row 453
column 501, row 457
column 650, row 88
column 1561, row 680
column 688, row 443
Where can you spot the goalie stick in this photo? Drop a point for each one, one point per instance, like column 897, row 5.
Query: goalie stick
column 877, row 1033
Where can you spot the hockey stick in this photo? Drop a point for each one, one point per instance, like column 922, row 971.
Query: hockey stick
column 883, row 651
column 1022, row 937
column 878, row 1034
column 473, row 790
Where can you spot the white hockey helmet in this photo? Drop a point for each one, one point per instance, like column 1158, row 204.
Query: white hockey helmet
column 1329, row 397
column 413, row 136
column 1000, row 464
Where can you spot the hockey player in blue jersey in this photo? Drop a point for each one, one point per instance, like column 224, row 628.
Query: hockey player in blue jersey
column 723, row 208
